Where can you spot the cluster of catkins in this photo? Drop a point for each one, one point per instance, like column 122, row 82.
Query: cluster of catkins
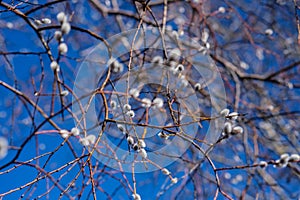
column 230, row 125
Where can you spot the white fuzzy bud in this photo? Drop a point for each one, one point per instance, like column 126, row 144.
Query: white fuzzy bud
column 284, row 156
column 165, row 171
column 163, row 135
column 130, row 140
column 65, row 28
column 263, row 164
column 130, row 113
column 61, row 17
column 244, row 65
column 179, row 68
column 127, row 107
column 207, row 45
column 63, row 48
column 113, row 104
column 121, row 128
column 54, row 66
column 174, row 180
column 146, row 102
column 115, row 65
column 269, row 31
column 233, row 115
column 283, row 160
column 64, row 93
column 136, row 147
column 224, row 112
column 237, row 130
column 136, row 196
column 134, row 92
column 221, row 10
column 91, row 139
column 58, row 35
column 197, row 87
column 143, row 153
column 64, row 133
column 141, row 143
column 227, row 128
column 84, row 141
column 294, row 158
column 38, row 22
column 157, row 60
column 158, row 102
column 46, row 21
column 75, row 131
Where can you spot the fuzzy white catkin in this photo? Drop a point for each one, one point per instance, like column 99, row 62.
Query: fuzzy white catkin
column 142, row 143
column 130, row 140
column 84, row 141
column 135, row 147
column 46, row 21
column 134, row 92
column 65, row 28
column 197, row 87
column 75, row 131
column 227, row 128
column 64, row 93
column 38, row 22
column 143, row 153
column 294, row 158
column 268, row 31
column 282, row 161
column 118, row 67
column 157, row 60
column 158, row 102
column 54, row 66
column 174, row 180
column 130, row 114
column 121, row 128
column 146, row 102
column 91, row 139
column 63, row 48
column 58, row 35
column 233, row 115
column 61, row 17
column 237, row 130
column 113, row 104
column 115, row 65
column 224, row 112
column 263, row 164
column 179, row 68
column 136, row 196
column 64, row 133
column 221, row 9
column 127, row 107
column 284, row 156
column 163, row 135
column 165, row 171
